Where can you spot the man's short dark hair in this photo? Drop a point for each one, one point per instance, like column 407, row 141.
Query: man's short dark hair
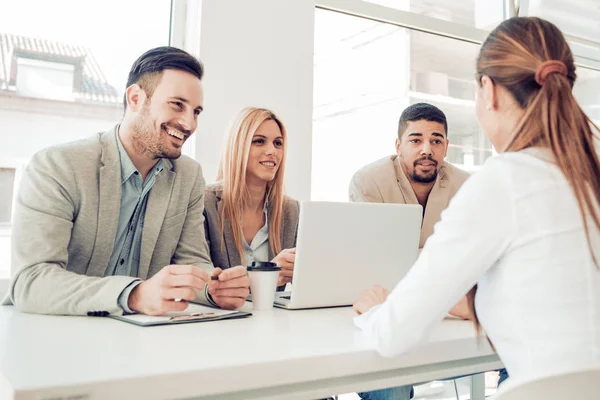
column 419, row 112
column 149, row 66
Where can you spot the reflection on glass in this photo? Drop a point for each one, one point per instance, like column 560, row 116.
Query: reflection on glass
column 577, row 18
column 483, row 14
column 7, row 178
column 587, row 92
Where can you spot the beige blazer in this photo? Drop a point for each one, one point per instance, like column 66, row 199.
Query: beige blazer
column 222, row 246
column 384, row 181
column 65, row 223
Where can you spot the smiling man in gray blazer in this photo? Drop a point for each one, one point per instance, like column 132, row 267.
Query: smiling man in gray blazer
column 114, row 223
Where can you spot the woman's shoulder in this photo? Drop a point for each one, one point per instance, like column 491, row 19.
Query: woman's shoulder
column 212, row 195
column 290, row 204
column 524, row 166
column 214, row 190
column 291, row 209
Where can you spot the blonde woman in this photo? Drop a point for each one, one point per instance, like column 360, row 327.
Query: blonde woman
column 247, row 215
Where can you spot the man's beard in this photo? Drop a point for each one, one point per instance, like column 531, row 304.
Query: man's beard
column 424, row 178
column 147, row 142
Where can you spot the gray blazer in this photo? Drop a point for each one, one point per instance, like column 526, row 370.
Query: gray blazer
column 383, row 181
column 65, row 223
column 222, row 247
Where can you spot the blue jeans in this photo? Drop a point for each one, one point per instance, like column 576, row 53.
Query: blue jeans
column 503, row 375
column 395, row 393
column 407, row 392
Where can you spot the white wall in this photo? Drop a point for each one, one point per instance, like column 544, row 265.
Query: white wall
column 259, row 55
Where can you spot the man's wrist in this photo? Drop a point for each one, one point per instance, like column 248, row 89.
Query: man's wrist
column 126, row 297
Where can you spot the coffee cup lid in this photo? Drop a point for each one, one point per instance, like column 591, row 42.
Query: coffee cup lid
column 263, row 266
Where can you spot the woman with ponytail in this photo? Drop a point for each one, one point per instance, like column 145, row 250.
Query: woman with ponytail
column 247, row 215
column 522, row 236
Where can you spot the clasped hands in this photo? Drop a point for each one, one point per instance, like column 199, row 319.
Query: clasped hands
column 174, row 286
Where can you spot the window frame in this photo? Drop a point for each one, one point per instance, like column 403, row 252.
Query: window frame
column 18, row 165
column 586, row 52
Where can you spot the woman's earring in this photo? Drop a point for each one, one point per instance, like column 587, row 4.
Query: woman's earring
column 488, row 107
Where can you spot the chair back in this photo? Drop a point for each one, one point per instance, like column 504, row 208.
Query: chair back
column 580, row 385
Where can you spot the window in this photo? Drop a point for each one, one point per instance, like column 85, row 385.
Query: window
column 366, row 73
column 62, row 78
column 484, row 14
column 578, row 20
column 575, row 18
column 9, row 172
column 7, row 181
column 587, row 92
column 44, row 79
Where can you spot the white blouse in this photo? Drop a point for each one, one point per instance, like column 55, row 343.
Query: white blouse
column 516, row 230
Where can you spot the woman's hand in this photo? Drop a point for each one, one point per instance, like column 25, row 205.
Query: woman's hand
column 285, row 260
column 370, row 298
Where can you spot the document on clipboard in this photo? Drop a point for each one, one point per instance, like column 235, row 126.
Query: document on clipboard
column 194, row 313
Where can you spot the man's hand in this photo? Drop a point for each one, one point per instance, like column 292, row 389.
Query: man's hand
column 462, row 309
column 370, row 298
column 285, row 260
column 231, row 289
column 157, row 295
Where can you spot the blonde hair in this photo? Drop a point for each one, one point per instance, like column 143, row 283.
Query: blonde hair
column 232, row 175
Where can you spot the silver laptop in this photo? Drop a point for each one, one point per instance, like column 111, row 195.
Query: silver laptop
column 345, row 248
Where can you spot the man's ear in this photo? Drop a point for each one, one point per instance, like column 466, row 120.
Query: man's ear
column 398, row 146
column 136, row 97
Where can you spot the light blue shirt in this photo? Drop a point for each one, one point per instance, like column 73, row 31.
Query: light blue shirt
column 258, row 250
column 125, row 258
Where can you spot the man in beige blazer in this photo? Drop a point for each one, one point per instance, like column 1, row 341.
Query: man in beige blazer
column 114, row 223
column 417, row 173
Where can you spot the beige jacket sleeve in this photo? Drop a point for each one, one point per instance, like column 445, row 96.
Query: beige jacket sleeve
column 42, row 223
column 364, row 189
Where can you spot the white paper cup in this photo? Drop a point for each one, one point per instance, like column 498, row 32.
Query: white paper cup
column 263, row 284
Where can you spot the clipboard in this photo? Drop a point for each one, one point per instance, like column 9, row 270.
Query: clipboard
column 194, row 313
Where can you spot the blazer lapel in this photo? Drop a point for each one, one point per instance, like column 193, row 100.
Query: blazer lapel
column 109, row 205
column 281, row 234
column 436, row 203
column 233, row 256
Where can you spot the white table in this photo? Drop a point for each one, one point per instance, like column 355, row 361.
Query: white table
column 276, row 354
